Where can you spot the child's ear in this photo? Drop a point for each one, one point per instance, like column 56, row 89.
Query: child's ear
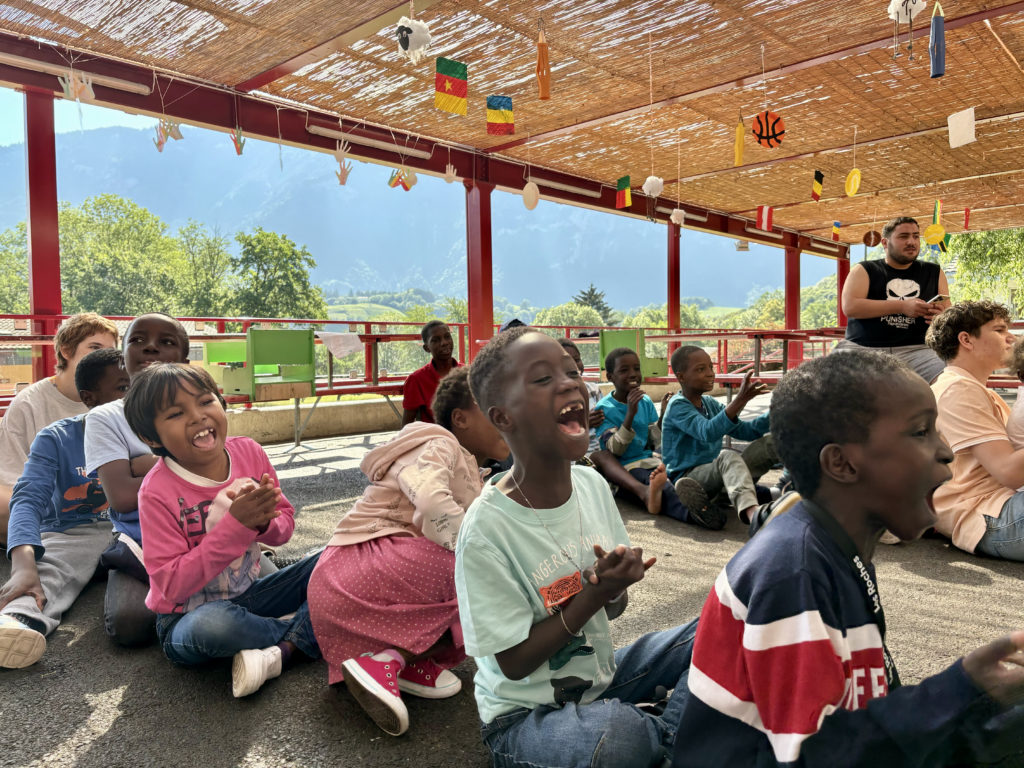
column 87, row 398
column 499, row 418
column 835, row 464
column 459, row 420
column 150, row 443
column 426, row 349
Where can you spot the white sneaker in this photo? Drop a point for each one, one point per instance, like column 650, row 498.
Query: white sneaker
column 250, row 669
column 889, row 538
column 20, row 645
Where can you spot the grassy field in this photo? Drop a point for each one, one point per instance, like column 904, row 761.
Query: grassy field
column 715, row 312
column 361, row 311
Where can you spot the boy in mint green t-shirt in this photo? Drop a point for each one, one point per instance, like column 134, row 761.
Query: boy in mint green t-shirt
column 534, row 602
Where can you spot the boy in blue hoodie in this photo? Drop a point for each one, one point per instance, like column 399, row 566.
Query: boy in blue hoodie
column 59, row 521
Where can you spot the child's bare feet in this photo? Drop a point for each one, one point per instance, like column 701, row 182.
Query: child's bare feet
column 655, row 483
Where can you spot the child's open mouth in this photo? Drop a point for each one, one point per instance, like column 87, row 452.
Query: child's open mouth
column 205, row 440
column 572, row 419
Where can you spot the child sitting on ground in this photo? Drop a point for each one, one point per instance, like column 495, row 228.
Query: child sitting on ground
column 534, row 604
column 204, row 514
column 601, row 458
column 694, row 426
column 382, row 597
column 1015, row 424
column 422, row 383
column 631, row 431
column 59, row 521
column 790, row 665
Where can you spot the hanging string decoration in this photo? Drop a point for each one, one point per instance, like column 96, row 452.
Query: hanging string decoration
column 853, row 177
column 836, row 226
column 653, row 186
column 413, row 39
column 937, row 42
column 737, row 147
column 543, row 68
column 872, row 238
column 501, row 120
column 238, row 140
column 904, row 11
column 623, row 196
column 678, row 215
column 161, row 137
column 344, row 167
column 768, row 129
column 450, row 86
column 172, row 128
column 77, row 86
column 819, row 179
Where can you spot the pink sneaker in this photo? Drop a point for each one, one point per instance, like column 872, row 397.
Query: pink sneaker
column 374, row 684
column 427, row 680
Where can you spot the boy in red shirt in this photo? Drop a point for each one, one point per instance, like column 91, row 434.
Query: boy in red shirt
column 422, row 383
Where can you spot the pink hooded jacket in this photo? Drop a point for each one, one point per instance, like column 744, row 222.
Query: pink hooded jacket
column 421, row 484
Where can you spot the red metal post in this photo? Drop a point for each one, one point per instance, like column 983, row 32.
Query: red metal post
column 43, row 241
column 842, row 272
column 792, row 301
column 479, row 287
column 673, row 284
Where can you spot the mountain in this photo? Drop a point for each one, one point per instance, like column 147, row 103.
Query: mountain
column 367, row 235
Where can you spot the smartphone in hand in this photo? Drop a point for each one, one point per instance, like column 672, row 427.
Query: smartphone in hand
column 936, row 299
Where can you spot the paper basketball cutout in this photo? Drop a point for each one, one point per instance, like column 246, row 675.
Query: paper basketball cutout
column 531, row 194
column 934, row 234
column 872, row 238
column 852, row 182
column 768, row 129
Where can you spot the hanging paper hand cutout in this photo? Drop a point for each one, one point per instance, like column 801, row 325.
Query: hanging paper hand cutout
column 238, row 140
column 172, row 129
column 161, row 137
column 344, row 168
column 450, row 173
column 77, row 87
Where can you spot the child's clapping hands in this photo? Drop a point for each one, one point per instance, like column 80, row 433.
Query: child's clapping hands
column 615, row 571
column 255, row 506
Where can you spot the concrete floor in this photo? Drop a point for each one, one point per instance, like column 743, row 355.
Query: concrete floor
column 88, row 703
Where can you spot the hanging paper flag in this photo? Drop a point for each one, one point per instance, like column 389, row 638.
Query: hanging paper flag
column 937, row 42
column 500, row 120
column 967, row 219
column 961, row 128
column 737, row 148
column 934, row 233
column 543, row 69
column 238, row 140
column 943, row 244
column 819, row 179
column 835, row 231
column 764, row 217
column 623, row 198
column 768, row 128
column 450, row 86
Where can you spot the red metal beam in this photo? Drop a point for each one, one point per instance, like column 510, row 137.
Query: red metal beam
column 43, row 243
column 792, row 303
column 479, row 286
column 673, row 277
column 842, row 272
column 754, row 78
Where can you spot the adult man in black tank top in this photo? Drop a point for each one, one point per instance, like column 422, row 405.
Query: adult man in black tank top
column 887, row 300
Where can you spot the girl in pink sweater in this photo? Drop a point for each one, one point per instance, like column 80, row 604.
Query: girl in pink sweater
column 382, row 597
column 205, row 507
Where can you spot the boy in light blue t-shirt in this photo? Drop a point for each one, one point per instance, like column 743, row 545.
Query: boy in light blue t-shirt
column 534, row 602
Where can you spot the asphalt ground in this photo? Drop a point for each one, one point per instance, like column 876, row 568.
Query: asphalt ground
column 88, row 703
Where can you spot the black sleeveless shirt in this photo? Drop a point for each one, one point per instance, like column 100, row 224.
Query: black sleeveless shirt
column 918, row 281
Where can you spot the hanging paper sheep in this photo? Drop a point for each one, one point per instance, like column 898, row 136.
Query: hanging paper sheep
column 413, row 39
column 653, row 185
column 678, row 216
column 901, row 11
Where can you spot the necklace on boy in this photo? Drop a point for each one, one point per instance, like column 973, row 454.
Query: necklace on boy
column 579, row 513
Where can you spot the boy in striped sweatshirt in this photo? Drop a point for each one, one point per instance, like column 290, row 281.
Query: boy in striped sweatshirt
column 789, row 664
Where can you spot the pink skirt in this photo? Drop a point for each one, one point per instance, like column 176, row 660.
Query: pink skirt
column 390, row 592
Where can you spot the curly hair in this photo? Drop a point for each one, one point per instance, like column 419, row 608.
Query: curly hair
column 890, row 226
column 681, row 357
column 943, row 334
column 452, row 392
column 832, row 399
column 613, row 357
column 1017, row 365
column 152, row 390
column 491, row 366
column 93, row 367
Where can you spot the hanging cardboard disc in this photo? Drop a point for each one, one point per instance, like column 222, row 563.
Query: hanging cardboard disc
column 531, row 195
column 852, row 182
column 934, row 234
column 872, row 238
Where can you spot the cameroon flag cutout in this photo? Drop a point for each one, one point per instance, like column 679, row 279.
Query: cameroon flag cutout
column 450, row 86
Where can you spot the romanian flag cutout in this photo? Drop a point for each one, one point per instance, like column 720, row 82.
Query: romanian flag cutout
column 835, row 231
column 764, row 217
column 500, row 120
column 623, row 198
column 819, row 179
column 450, row 86
column 967, row 219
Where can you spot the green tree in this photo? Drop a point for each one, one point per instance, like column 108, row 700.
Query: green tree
column 591, row 297
column 987, row 265
column 273, row 278
column 117, row 259
column 818, row 304
column 455, row 310
column 207, row 266
column 14, row 270
column 570, row 313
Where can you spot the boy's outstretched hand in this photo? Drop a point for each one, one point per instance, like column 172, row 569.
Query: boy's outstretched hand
column 616, row 570
column 750, row 389
column 256, row 505
column 998, row 668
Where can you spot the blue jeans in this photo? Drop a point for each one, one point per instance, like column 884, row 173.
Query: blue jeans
column 610, row 731
column 1004, row 537
column 222, row 628
column 670, row 503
